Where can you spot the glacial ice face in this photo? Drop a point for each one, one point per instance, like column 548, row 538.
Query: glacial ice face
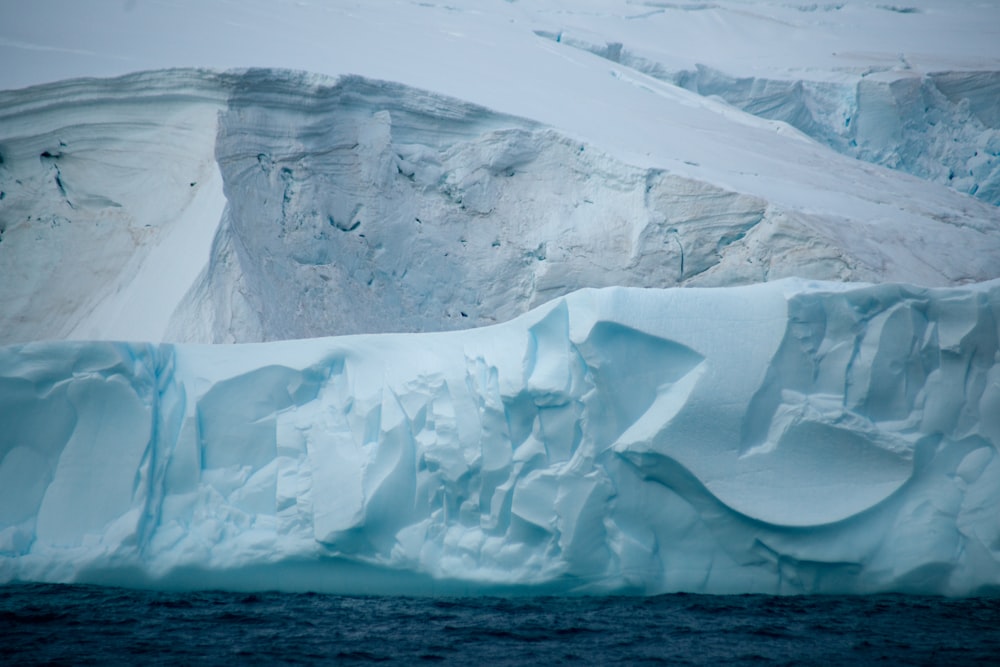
column 289, row 205
column 941, row 126
column 785, row 437
column 107, row 186
column 363, row 207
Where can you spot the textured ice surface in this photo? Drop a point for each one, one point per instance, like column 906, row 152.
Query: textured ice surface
column 789, row 437
column 193, row 206
column 785, row 437
column 109, row 200
column 942, row 126
column 915, row 92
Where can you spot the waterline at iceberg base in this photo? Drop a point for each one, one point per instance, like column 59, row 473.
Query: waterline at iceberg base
column 786, row 437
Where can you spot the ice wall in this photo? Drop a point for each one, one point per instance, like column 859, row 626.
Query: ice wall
column 109, row 199
column 358, row 206
column 941, row 126
column 255, row 205
column 785, row 437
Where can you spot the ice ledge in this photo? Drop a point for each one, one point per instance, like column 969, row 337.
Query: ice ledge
column 786, row 437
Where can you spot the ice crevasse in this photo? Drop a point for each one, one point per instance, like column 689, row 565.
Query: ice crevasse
column 784, row 437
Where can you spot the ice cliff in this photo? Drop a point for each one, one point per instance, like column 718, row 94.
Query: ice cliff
column 256, row 205
column 913, row 96
column 784, row 437
column 537, row 165
column 942, row 126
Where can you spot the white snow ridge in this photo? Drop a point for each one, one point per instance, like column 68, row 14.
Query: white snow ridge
column 591, row 297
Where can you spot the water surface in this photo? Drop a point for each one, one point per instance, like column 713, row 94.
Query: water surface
column 94, row 625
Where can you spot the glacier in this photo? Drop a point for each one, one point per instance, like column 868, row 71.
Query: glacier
column 533, row 183
column 785, row 437
column 937, row 122
column 284, row 204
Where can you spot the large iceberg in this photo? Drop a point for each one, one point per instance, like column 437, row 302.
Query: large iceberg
column 784, row 437
column 395, row 168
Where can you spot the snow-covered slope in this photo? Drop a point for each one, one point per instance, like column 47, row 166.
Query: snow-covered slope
column 911, row 85
column 918, row 91
column 785, row 437
column 482, row 143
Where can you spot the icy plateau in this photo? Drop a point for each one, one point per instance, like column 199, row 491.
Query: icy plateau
column 501, row 297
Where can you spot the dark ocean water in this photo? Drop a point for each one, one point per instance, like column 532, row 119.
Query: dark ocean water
column 92, row 625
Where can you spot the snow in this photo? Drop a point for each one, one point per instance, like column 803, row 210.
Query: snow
column 786, row 437
column 107, row 192
column 817, row 410
column 815, row 65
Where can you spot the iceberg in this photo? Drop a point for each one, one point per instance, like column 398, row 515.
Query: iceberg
column 785, row 437
column 576, row 423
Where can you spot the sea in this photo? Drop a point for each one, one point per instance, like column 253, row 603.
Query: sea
column 90, row 625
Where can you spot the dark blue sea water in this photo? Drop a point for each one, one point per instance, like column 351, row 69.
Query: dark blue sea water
column 92, row 625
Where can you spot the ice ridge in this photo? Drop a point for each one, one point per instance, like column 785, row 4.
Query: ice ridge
column 787, row 437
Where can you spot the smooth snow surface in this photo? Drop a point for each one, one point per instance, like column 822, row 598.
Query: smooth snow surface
column 781, row 438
